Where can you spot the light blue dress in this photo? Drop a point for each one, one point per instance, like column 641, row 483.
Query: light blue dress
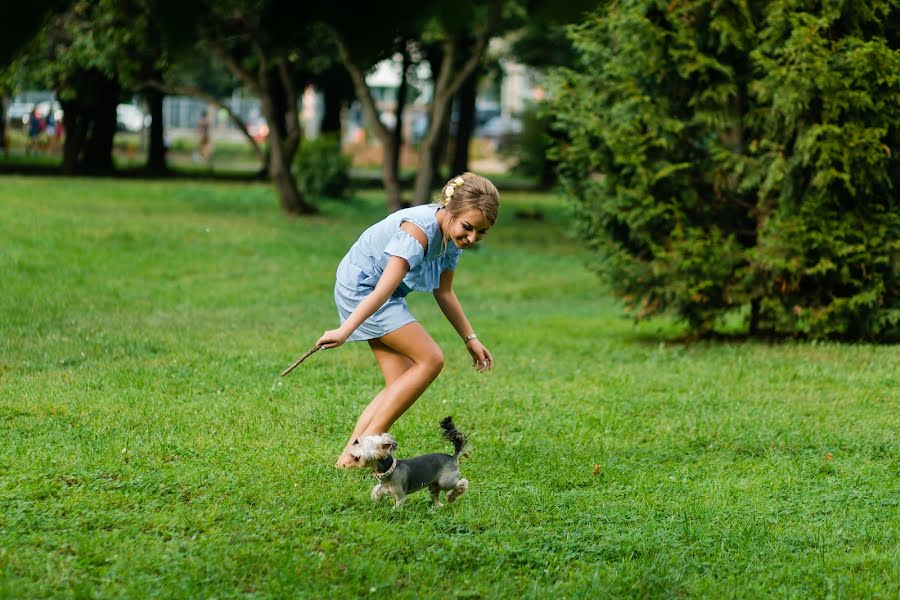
column 363, row 265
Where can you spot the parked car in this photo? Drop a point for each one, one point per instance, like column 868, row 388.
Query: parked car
column 17, row 114
column 500, row 131
column 500, row 126
column 130, row 117
column 484, row 113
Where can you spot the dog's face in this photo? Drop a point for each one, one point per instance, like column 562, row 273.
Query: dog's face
column 373, row 448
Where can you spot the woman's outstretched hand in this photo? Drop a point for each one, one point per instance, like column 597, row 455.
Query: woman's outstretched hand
column 332, row 338
column 481, row 358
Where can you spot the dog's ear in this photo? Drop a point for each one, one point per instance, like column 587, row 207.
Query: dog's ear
column 388, row 443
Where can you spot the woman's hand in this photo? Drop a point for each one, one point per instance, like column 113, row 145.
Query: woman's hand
column 481, row 358
column 333, row 338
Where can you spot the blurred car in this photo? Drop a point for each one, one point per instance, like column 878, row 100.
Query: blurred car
column 498, row 127
column 500, row 132
column 17, row 114
column 130, row 117
column 484, row 112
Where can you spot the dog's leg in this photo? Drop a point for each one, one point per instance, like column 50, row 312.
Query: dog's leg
column 399, row 500
column 377, row 493
column 435, row 490
column 461, row 488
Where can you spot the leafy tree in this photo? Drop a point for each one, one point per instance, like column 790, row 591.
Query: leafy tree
column 379, row 32
column 78, row 54
column 740, row 155
column 21, row 23
column 362, row 45
column 261, row 42
column 465, row 101
column 826, row 169
column 90, row 54
column 193, row 71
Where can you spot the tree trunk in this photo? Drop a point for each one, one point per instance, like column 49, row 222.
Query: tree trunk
column 3, row 104
column 236, row 120
column 445, row 86
column 280, row 163
column 446, row 83
column 289, row 196
column 754, row 317
column 334, row 103
column 75, row 132
column 97, row 153
column 156, row 153
column 90, row 124
column 391, row 182
column 466, row 124
column 281, row 151
column 439, row 149
column 272, row 84
column 389, row 172
column 331, row 118
column 97, row 157
column 393, row 152
column 429, row 151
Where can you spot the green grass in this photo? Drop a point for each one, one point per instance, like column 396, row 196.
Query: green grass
column 149, row 448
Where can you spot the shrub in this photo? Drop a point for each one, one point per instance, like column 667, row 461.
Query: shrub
column 321, row 169
column 740, row 156
column 531, row 149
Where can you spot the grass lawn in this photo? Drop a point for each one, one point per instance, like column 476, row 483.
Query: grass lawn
column 149, row 448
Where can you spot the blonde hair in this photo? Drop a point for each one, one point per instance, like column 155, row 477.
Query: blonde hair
column 470, row 191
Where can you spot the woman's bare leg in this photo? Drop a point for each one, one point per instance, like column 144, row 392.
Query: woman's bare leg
column 413, row 342
column 410, row 360
column 393, row 365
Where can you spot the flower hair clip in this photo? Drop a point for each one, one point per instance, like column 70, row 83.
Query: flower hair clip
column 451, row 187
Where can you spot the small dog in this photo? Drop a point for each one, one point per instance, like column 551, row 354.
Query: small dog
column 397, row 478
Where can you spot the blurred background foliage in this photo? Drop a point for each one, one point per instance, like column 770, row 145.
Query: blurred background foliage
column 728, row 160
column 740, row 157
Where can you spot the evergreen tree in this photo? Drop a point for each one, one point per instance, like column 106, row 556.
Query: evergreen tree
column 739, row 155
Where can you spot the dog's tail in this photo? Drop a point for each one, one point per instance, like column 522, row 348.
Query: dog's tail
column 454, row 436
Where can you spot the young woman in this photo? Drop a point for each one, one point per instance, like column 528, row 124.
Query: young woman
column 415, row 249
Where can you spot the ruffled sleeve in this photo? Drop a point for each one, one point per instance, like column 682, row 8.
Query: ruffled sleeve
column 451, row 259
column 407, row 247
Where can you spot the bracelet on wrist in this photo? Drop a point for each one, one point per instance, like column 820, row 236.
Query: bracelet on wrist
column 469, row 338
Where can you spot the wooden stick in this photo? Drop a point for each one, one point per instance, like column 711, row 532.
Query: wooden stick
column 300, row 360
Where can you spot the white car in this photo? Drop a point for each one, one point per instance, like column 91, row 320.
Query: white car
column 17, row 113
column 499, row 126
column 131, row 118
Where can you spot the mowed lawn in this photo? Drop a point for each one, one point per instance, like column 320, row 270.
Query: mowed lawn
column 149, row 447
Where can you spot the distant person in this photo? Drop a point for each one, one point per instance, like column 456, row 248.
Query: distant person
column 415, row 249
column 50, row 124
column 34, row 130
column 204, row 144
column 60, row 130
column 50, row 129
